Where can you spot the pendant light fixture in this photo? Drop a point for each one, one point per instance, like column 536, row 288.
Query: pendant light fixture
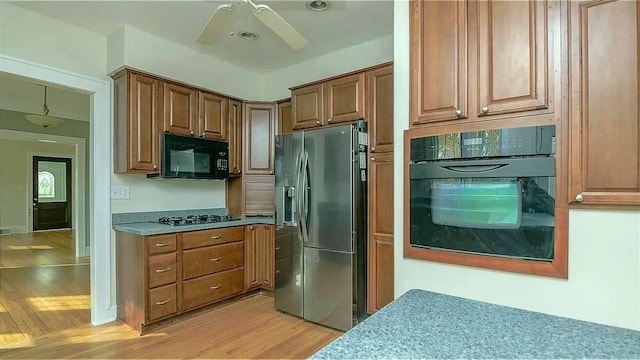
column 44, row 120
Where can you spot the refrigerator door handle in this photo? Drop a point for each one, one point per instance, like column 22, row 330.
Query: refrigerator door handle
column 303, row 198
column 298, row 209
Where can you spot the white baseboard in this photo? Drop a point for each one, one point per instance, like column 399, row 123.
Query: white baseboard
column 5, row 231
column 19, row 229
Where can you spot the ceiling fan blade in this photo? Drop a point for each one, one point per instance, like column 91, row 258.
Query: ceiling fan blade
column 216, row 24
column 280, row 26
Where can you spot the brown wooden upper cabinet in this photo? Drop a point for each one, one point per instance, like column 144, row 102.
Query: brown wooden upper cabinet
column 137, row 125
column 471, row 59
column 180, row 109
column 213, row 116
column 259, row 131
column 379, row 109
column 344, row 99
column 307, row 106
column 604, row 146
column 334, row 101
column 285, row 121
column 235, row 137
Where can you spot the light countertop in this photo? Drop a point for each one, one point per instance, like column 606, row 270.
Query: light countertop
column 426, row 325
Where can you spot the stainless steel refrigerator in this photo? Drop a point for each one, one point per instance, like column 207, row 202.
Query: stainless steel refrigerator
column 321, row 226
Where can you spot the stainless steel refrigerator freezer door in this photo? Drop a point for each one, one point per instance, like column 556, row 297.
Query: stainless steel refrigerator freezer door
column 288, row 254
column 328, row 190
column 288, row 269
column 328, row 290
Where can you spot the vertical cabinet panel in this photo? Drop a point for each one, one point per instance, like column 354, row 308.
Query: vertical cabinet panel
column 267, row 250
column 259, row 137
column 512, row 60
column 344, row 99
column 604, row 121
column 235, row 137
column 285, row 121
column 251, row 252
column 380, row 109
column 438, row 59
column 307, row 107
column 380, row 242
column 213, row 116
column 180, row 109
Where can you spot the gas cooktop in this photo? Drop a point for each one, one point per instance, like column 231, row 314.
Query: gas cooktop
column 195, row 219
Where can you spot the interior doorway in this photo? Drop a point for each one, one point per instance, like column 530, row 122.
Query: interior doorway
column 51, row 188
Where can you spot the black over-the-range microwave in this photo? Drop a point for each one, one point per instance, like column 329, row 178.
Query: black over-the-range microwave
column 188, row 157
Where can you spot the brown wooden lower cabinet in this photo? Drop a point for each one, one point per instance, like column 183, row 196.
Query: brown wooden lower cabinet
column 380, row 243
column 259, row 257
column 162, row 276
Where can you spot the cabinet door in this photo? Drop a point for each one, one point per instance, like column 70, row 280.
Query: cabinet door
column 267, row 266
column 603, row 137
column 438, row 58
column 380, row 231
column 213, row 116
column 259, row 137
column 142, row 150
column 235, row 137
column 180, row 109
column 251, row 252
column 380, row 109
column 513, row 51
column 285, row 122
column 344, row 98
column 307, row 107
column 259, row 195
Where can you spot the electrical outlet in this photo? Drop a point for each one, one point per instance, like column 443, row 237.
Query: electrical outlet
column 119, row 192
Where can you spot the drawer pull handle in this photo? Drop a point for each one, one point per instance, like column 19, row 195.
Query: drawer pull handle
column 216, row 259
column 216, row 237
column 163, row 302
column 163, row 244
column 216, row 287
column 163, row 270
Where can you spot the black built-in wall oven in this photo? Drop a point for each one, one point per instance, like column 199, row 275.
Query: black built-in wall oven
column 488, row 192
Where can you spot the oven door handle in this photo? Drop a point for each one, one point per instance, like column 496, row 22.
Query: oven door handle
column 474, row 168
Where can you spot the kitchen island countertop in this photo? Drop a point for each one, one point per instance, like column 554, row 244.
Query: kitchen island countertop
column 154, row 228
column 422, row 324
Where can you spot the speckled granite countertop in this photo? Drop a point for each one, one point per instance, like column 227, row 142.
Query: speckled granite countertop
column 146, row 223
column 427, row 325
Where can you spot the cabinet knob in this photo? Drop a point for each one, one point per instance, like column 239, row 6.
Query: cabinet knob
column 579, row 198
column 329, row 120
column 251, row 227
column 155, row 166
column 318, row 122
column 192, row 133
column 271, row 172
column 373, row 159
column 202, row 135
column 373, row 148
column 458, row 112
column 485, row 110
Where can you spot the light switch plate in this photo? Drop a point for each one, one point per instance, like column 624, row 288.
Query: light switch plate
column 119, row 192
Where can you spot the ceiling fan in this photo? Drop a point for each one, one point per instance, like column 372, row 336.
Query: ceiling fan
column 221, row 17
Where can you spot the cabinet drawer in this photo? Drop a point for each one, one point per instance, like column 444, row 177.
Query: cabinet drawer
column 203, row 261
column 162, row 302
column 212, row 237
column 162, row 243
column 162, row 269
column 210, row 288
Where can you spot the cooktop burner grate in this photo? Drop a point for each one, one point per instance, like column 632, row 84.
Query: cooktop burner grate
column 195, row 219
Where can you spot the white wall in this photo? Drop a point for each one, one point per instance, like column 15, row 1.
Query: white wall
column 138, row 49
column 167, row 194
column 276, row 84
column 30, row 36
column 604, row 246
column 15, row 166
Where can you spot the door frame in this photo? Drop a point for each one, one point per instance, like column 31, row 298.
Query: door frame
column 102, row 264
column 78, row 171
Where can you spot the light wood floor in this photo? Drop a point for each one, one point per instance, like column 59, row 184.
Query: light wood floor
column 247, row 329
column 43, row 287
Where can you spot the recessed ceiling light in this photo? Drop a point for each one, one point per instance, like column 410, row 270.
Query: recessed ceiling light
column 317, row 5
column 248, row 35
